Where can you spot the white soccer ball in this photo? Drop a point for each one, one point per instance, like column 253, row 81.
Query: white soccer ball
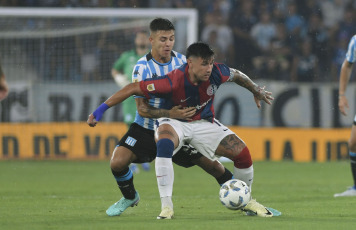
column 234, row 194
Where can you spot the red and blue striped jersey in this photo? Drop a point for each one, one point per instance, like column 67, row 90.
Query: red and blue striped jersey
column 177, row 89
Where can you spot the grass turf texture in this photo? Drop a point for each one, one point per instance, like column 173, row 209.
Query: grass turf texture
column 75, row 195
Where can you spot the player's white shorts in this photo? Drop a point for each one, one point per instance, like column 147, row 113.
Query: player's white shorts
column 203, row 135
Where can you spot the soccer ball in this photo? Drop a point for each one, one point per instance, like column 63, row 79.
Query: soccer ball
column 234, row 194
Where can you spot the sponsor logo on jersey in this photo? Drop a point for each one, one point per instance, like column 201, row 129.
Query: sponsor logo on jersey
column 202, row 105
column 211, row 90
column 151, row 87
column 130, row 141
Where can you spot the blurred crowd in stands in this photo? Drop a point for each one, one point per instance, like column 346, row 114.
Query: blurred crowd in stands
column 290, row 40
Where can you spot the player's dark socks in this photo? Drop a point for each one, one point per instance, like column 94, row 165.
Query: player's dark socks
column 124, row 180
column 225, row 177
column 353, row 166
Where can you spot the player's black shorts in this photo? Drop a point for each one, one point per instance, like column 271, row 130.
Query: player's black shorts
column 141, row 142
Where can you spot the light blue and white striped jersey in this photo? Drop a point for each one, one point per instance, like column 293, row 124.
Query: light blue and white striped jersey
column 147, row 67
column 351, row 51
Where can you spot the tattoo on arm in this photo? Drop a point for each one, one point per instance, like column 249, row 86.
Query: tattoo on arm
column 149, row 111
column 243, row 80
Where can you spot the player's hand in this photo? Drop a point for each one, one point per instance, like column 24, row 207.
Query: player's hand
column 177, row 112
column 3, row 94
column 343, row 103
column 91, row 120
column 263, row 95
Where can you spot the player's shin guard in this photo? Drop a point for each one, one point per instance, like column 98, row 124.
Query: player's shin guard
column 164, row 171
column 353, row 166
column 124, row 180
column 243, row 168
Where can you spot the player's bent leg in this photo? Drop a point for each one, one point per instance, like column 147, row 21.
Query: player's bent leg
column 121, row 159
column 214, row 168
column 188, row 156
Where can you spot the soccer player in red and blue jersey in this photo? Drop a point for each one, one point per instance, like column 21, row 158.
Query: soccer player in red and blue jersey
column 138, row 144
column 194, row 85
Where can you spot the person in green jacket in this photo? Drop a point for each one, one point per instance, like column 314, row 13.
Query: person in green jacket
column 122, row 74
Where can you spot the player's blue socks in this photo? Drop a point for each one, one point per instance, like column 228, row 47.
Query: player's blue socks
column 124, row 180
column 165, row 148
column 98, row 113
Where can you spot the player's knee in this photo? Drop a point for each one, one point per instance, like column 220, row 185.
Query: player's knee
column 118, row 163
column 243, row 159
column 165, row 148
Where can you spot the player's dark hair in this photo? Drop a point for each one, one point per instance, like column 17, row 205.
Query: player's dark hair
column 161, row 24
column 200, row 49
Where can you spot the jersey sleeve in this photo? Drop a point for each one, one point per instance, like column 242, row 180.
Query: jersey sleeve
column 160, row 87
column 139, row 73
column 223, row 71
column 351, row 51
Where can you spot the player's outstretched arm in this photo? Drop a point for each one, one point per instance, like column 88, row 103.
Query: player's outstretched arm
column 259, row 93
column 345, row 73
column 177, row 112
column 4, row 89
column 118, row 97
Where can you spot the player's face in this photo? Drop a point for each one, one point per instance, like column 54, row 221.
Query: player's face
column 162, row 43
column 200, row 69
column 141, row 40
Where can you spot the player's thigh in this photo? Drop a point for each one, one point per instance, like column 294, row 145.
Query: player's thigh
column 207, row 137
column 121, row 158
column 230, row 146
column 140, row 142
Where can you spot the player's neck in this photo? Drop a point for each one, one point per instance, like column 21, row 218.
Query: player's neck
column 192, row 78
column 159, row 58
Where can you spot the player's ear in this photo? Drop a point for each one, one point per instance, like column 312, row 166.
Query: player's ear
column 189, row 61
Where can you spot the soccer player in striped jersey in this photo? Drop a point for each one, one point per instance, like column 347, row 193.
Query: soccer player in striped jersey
column 346, row 70
column 4, row 89
column 194, row 85
column 138, row 144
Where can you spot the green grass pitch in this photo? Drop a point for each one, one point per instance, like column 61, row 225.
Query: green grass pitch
column 75, row 195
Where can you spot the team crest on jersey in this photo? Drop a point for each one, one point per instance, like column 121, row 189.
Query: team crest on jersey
column 134, row 80
column 151, row 87
column 211, row 90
